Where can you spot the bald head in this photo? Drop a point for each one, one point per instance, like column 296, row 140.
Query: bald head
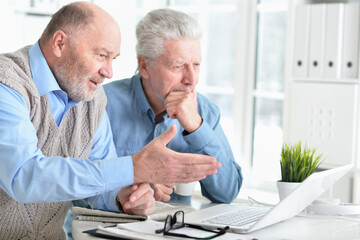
column 79, row 45
column 75, row 18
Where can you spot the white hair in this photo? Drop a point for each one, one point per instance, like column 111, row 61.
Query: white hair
column 160, row 25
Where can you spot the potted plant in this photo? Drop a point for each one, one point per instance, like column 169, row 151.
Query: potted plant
column 297, row 163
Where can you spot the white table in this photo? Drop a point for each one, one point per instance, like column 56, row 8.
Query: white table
column 310, row 227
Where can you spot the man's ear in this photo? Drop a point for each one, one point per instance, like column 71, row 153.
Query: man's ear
column 143, row 67
column 58, row 43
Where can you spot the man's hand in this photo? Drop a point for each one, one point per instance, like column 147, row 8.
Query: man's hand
column 182, row 105
column 137, row 199
column 155, row 163
column 162, row 192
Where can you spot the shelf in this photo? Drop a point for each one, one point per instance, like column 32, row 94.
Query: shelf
column 328, row 80
column 36, row 12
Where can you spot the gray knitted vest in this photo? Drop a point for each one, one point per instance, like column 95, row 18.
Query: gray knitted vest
column 73, row 138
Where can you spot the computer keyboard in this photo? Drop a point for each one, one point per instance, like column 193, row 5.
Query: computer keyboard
column 240, row 217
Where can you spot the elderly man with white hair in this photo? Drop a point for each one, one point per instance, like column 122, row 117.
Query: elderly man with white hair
column 163, row 93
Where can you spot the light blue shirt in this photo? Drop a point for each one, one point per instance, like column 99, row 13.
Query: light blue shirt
column 28, row 176
column 133, row 125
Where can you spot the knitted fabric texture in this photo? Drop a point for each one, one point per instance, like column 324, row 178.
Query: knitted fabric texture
column 73, row 138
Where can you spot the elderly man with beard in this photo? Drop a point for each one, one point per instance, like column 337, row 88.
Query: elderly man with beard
column 55, row 137
column 164, row 93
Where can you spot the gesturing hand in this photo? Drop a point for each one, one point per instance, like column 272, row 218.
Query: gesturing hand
column 155, row 163
column 137, row 199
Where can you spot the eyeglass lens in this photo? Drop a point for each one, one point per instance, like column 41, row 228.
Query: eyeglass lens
column 178, row 220
column 168, row 223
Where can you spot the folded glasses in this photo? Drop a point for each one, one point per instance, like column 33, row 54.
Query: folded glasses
column 177, row 222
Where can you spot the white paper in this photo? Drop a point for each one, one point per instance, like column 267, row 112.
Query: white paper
column 146, row 230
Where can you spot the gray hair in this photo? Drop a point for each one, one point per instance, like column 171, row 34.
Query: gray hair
column 71, row 18
column 160, row 25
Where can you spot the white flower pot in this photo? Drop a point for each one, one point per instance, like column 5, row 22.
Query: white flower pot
column 284, row 188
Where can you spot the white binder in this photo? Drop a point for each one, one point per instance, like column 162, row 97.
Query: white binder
column 333, row 40
column 317, row 40
column 301, row 51
column 351, row 40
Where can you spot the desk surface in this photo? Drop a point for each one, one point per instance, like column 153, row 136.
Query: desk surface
column 303, row 227
column 314, row 227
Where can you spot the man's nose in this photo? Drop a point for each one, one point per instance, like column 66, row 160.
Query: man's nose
column 107, row 70
column 190, row 76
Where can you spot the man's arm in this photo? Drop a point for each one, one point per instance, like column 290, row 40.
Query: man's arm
column 206, row 136
column 212, row 141
column 24, row 169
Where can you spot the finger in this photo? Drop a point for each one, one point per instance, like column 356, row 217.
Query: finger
column 170, row 185
column 146, row 198
column 182, row 179
column 164, row 197
column 144, row 211
column 166, row 190
column 190, row 176
column 176, row 97
column 191, row 158
column 160, row 196
column 134, row 187
column 166, row 137
column 139, row 192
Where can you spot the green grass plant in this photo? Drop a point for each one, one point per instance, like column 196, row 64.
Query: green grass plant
column 298, row 163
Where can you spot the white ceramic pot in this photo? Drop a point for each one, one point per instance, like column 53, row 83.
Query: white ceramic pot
column 284, row 188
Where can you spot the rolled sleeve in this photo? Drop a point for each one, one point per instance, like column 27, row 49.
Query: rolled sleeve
column 200, row 138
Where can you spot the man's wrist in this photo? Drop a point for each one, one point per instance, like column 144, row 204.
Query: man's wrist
column 118, row 204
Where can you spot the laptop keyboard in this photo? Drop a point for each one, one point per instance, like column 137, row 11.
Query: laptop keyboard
column 239, row 217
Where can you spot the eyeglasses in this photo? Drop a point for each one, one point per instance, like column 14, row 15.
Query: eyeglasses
column 177, row 222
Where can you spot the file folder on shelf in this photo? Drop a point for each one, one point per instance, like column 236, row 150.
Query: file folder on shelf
column 317, row 40
column 350, row 57
column 333, row 40
column 301, row 52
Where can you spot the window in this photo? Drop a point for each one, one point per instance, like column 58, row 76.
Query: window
column 268, row 92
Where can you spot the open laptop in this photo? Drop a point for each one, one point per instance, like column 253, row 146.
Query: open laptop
column 257, row 217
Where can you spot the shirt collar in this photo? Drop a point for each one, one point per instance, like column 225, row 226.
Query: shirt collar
column 43, row 77
column 140, row 94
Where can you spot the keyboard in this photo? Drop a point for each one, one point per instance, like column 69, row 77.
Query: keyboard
column 240, row 217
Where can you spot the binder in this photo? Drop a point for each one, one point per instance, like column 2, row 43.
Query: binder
column 351, row 40
column 317, row 40
column 301, row 45
column 333, row 40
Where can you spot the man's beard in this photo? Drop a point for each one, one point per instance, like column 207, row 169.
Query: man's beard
column 71, row 77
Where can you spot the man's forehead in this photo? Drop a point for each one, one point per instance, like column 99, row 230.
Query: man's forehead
column 181, row 50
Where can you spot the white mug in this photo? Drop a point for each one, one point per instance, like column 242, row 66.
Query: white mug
column 184, row 189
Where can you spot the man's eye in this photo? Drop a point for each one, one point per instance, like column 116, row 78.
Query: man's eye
column 179, row 66
column 102, row 55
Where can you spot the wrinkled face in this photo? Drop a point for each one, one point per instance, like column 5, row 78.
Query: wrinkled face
column 176, row 70
column 87, row 62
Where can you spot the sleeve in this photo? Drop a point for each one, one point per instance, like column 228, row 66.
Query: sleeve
column 103, row 148
column 210, row 139
column 28, row 176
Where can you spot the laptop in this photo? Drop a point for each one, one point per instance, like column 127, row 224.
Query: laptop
column 247, row 218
